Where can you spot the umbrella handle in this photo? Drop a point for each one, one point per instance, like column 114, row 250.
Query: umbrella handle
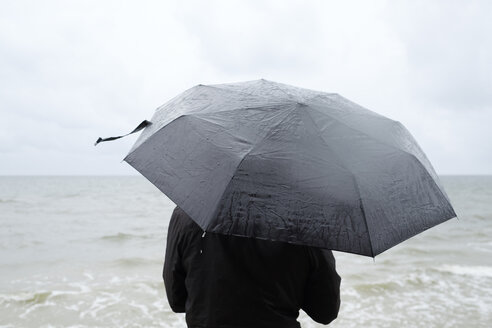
column 142, row 125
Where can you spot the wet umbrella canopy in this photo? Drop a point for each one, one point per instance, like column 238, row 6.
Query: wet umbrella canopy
column 272, row 161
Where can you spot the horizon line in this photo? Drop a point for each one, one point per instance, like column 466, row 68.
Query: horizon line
column 139, row 175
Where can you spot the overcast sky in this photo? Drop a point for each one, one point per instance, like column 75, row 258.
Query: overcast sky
column 71, row 71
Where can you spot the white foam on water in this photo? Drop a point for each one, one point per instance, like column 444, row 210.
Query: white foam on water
column 161, row 305
column 141, row 307
column 145, row 288
column 476, row 271
column 483, row 246
column 56, row 293
column 101, row 303
column 84, row 288
column 89, row 276
column 34, row 307
column 425, row 284
column 115, row 280
column 74, row 307
column 426, row 297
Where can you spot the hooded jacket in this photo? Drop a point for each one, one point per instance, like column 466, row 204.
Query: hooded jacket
column 229, row 282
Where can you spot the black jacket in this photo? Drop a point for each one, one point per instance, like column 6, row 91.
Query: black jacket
column 228, row 282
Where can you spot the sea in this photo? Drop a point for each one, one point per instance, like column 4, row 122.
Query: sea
column 89, row 251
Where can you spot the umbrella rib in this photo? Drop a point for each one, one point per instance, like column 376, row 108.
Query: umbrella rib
column 240, row 108
column 368, row 135
column 432, row 173
column 149, row 137
column 187, row 93
column 353, row 178
column 290, row 96
column 196, row 115
column 453, row 213
column 384, row 143
column 436, row 184
column 246, row 155
column 365, row 111
column 216, row 86
column 229, row 131
column 426, row 163
column 271, row 83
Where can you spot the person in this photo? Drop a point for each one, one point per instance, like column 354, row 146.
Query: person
column 227, row 281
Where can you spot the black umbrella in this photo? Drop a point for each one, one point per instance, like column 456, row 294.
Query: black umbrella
column 272, row 161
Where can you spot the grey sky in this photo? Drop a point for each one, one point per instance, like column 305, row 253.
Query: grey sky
column 71, row 71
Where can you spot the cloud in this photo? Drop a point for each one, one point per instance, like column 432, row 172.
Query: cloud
column 74, row 71
column 312, row 41
column 448, row 50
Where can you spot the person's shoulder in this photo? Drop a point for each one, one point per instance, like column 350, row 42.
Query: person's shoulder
column 182, row 220
column 178, row 212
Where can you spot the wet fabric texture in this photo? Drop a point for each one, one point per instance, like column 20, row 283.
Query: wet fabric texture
column 228, row 281
column 276, row 162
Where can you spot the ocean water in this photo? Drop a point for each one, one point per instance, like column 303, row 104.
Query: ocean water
column 88, row 252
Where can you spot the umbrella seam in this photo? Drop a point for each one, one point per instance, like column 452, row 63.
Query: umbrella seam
column 199, row 113
column 243, row 108
column 149, row 137
column 170, row 102
column 317, row 93
column 276, row 85
column 214, row 86
column 397, row 149
column 368, row 135
column 437, row 185
column 353, row 178
column 217, row 86
column 432, row 172
column 204, row 118
column 285, row 92
column 367, row 111
column 241, row 161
